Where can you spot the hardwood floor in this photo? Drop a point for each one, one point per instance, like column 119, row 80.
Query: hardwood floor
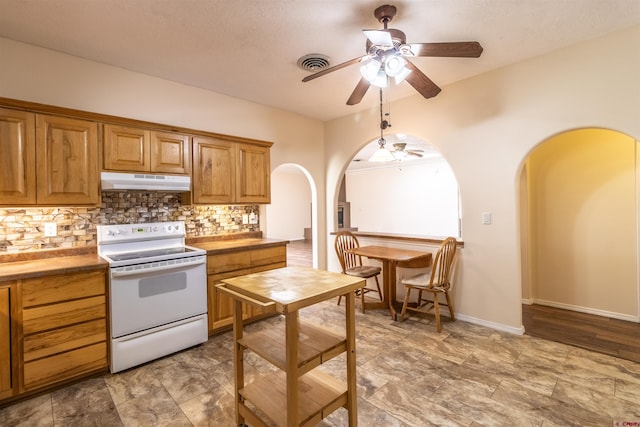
column 299, row 253
column 601, row 334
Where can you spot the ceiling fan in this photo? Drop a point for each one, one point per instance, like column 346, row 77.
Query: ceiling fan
column 387, row 53
column 400, row 151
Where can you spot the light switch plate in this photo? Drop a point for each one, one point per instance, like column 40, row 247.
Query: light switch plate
column 486, row 218
column 50, row 229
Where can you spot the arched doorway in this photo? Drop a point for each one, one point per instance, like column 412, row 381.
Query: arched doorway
column 292, row 214
column 415, row 194
column 579, row 224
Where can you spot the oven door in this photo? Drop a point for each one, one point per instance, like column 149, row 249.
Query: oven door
column 145, row 299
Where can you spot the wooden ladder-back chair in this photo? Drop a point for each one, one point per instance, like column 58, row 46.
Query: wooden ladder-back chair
column 352, row 264
column 437, row 281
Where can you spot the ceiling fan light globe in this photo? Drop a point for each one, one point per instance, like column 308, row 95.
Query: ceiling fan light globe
column 394, row 65
column 369, row 70
column 382, row 155
column 380, row 80
column 399, row 155
column 403, row 75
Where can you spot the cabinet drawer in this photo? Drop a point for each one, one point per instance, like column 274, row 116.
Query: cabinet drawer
column 64, row 314
column 46, row 344
column 228, row 262
column 268, row 255
column 65, row 365
column 50, row 289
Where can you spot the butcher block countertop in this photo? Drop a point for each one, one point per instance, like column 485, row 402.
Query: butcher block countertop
column 224, row 246
column 37, row 264
column 47, row 266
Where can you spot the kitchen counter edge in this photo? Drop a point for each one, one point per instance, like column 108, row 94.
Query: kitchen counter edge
column 225, row 246
column 41, row 267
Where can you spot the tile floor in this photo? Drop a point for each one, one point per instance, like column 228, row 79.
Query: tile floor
column 407, row 375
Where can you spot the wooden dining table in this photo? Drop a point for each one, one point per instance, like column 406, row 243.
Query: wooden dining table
column 392, row 258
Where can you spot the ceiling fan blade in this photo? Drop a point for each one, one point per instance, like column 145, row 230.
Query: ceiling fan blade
column 358, row 92
column 453, row 49
column 335, row 68
column 414, row 153
column 379, row 37
column 421, row 83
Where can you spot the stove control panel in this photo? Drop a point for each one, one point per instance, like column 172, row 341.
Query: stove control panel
column 147, row 231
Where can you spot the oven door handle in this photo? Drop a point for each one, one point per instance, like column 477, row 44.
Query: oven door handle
column 160, row 268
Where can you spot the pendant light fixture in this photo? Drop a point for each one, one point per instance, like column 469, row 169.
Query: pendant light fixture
column 382, row 154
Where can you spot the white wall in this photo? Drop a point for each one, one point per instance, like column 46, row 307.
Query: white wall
column 290, row 210
column 416, row 198
column 39, row 75
column 485, row 128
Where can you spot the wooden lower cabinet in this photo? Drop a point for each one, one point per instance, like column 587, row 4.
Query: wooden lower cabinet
column 237, row 263
column 64, row 327
column 7, row 380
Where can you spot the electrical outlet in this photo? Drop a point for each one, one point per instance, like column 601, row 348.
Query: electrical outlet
column 50, row 229
column 253, row 218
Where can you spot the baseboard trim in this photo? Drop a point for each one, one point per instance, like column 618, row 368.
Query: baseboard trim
column 588, row 310
column 492, row 325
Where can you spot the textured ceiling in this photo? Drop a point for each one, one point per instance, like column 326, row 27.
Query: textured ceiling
column 248, row 49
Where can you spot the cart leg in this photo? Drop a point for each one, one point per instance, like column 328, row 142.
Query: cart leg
column 291, row 325
column 352, row 391
column 238, row 361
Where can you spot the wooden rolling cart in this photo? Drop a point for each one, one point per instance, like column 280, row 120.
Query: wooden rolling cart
column 296, row 394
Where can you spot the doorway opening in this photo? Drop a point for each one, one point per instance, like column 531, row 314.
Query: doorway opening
column 292, row 214
column 579, row 233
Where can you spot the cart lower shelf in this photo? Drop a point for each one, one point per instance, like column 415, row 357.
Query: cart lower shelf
column 319, row 395
column 315, row 345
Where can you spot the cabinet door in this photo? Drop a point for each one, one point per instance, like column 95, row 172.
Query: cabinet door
column 213, row 174
column 253, row 172
column 5, row 342
column 170, row 153
column 67, row 161
column 126, row 149
column 18, row 159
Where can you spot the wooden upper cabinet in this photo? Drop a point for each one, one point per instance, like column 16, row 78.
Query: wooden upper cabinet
column 138, row 150
column 213, row 170
column 253, row 171
column 18, row 159
column 170, row 153
column 67, row 161
column 126, row 149
column 230, row 172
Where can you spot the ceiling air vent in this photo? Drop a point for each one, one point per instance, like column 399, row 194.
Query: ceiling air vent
column 313, row 62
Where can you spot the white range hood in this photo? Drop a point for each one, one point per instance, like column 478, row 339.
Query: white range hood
column 140, row 181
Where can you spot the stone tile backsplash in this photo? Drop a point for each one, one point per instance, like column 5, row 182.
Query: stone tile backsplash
column 22, row 229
